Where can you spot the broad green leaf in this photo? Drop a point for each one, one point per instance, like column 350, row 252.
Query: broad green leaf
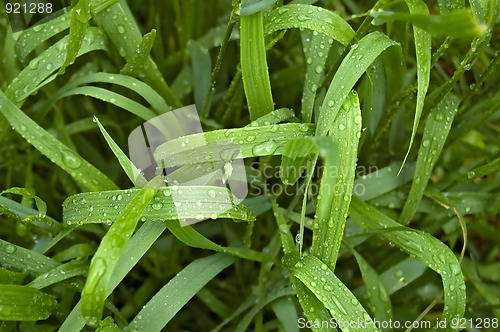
column 177, row 292
column 108, row 253
column 321, row 280
column 351, row 69
column 310, row 17
column 23, row 303
column 423, row 247
column 81, row 170
column 435, row 133
column 337, row 182
column 254, row 66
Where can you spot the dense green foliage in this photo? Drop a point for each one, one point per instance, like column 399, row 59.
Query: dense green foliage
column 369, row 132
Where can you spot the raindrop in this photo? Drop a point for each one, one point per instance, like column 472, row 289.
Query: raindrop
column 71, row 159
column 10, row 249
column 211, row 193
column 120, row 29
column 341, row 126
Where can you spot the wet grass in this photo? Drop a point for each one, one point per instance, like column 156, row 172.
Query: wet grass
column 369, row 134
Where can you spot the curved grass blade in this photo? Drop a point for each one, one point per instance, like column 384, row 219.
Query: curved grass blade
column 128, row 167
column 276, row 116
column 82, row 171
column 113, row 98
column 202, row 70
column 141, row 88
column 351, row 69
column 316, row 47
column 25, row 260
column 313, row 308
column 294, row 159
column 378, row 296
column 122, row 29
column 287, row 313
column 254, row 66
column 32, row 37
column 456, row 24
column 320, row 280
column 135, row 249
column 79, row 23
column 192, row 238
column 423, row 55
column 423, row 247
column 87, row 208
column 310, row 17
column 41, row 67
column 178, row 291
column 23, row 303
column 337, row 182
column 108, row 253
column 250, row 7
column 135, row 64
column 435, row 133
column 252, row 141
column 60, row 273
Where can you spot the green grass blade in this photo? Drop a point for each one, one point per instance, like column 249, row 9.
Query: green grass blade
column 254, row 66
column 106, row 256
column 287, row 313
column 81, row 170
column 252, row 141
column 314, row 310
column 250, row 7
column 378, row 296
column 87, row 208
column 25, row 260
column 178, row 291
column 32, row 37
column 423, row 247
column 423, row 56
column 135, row 64
column 316, row 47
column 320, row 280
column 113, row 98
column 135, row 249
column 60, row 273
column 128, row 167
column 202, row 70
column 276, row 116
column 123, row 31
column 294, row 159
column 337, row 181
column 351, row 69
column 314, row 18
column 79, row 23
column 23, row 303
column 435, row 133
column 41, row 67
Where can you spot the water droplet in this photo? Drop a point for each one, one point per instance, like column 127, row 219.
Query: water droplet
column 265, row 148
column 211, row 193
column 120, row 29
column 358, row 119
column 10, row 249
column 250, row 138
column 119, row 197
column 37, row 28
column 70, row 159
column 425, row 143
column 341, row 126
column 319, row 69
column 34, row 64
column 49, row 66
column 157, row 206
